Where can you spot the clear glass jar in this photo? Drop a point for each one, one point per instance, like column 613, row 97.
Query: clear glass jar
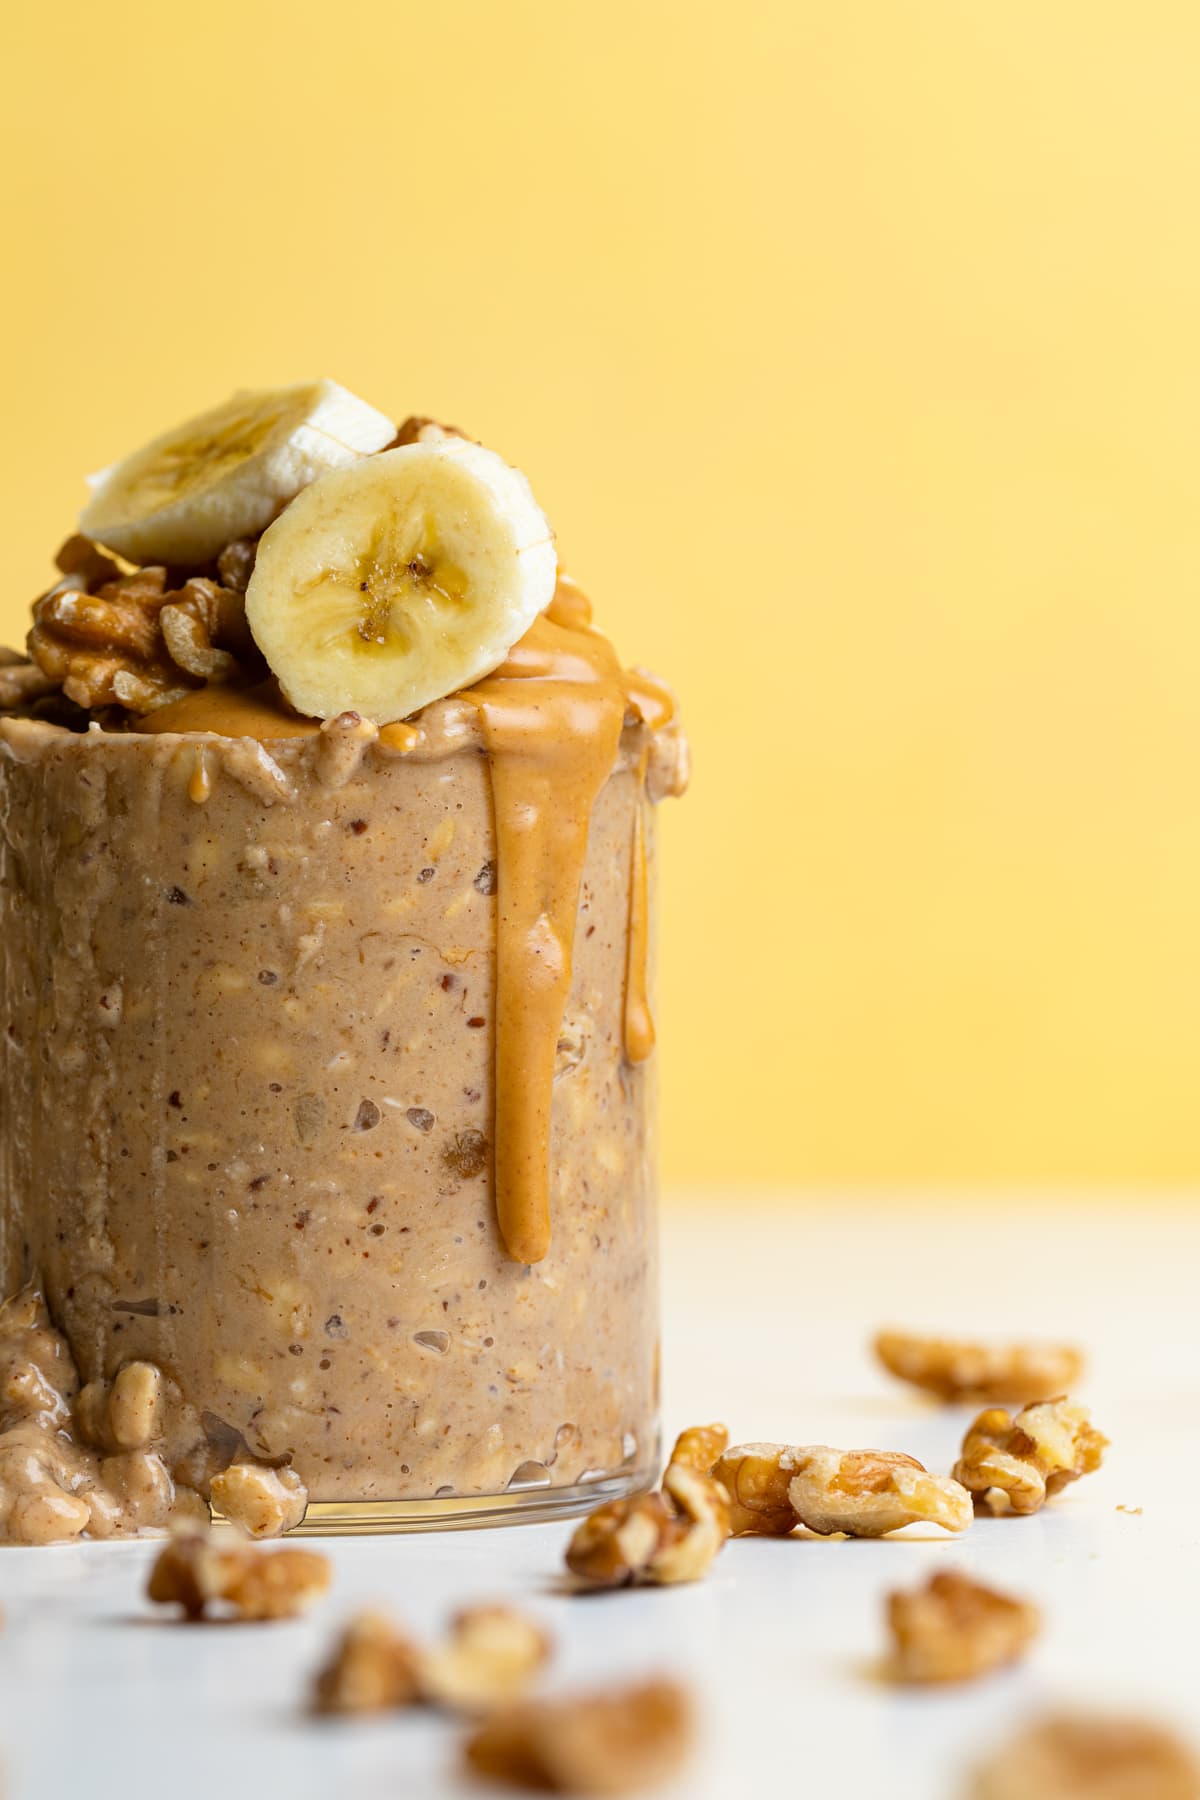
column 248, row 1116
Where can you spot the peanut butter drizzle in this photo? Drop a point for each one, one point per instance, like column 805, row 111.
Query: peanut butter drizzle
column 551, row 717
column 254, row 712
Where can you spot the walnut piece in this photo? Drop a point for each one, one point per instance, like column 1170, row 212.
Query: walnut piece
column 114, row 639
column 601, row 1743
column 195, row 1572
column 491, row 1656
column 373, row 1669
column 265, row 1502
column 756, row 1478
column 21, row 682
column 954, row 1628
column 961, row 1369
column 1076, row 1757
column 196, row 620
column 867, row 1493
column 615, row 1544
column 235, row 565
column 1017, row 1464
column 662, row 1538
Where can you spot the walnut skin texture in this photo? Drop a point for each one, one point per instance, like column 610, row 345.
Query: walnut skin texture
column 961, row 1369
column 954, row 1629
column 1017, row 1464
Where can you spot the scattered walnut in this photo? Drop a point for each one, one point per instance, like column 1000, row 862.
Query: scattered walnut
column 954, row 1628
column 867, row 1493
column 659, row 1538
column 1072, row 1757
column 959, row 1369
column 87, row 562
column 195, row 1572
column 615, row 1544
column 489, row 1660
column 756, row 1478
column 265, row 1502
column 1016, row 1464
column 373, row 1668
column 603, row 1743
column 700, row 1502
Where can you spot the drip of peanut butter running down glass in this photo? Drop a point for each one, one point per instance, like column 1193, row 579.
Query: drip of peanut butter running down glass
column 551, row 716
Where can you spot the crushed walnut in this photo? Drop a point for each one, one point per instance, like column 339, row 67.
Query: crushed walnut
column 110, row 638
column 953, row 1629
column 613, row 1742
column 660, row 1538
column 962, row 1369
column 1082, row 1757
column 197, row 1572
column 1017, row 1464
column 489, row 1658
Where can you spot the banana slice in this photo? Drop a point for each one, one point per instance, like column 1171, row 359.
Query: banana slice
column 226, row 474
column 400, row 579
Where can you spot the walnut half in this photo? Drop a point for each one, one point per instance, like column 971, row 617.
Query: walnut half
column 600, row 1743
column 867, row 1493
column 953, row 1629
column 1017, row 1464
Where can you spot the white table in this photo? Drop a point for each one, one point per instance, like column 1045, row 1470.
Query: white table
column 769, row 1312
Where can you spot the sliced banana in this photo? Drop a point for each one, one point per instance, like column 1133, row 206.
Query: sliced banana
column 226, row 474
column 400, row 579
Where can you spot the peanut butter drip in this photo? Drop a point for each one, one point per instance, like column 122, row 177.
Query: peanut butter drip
column 551, row 717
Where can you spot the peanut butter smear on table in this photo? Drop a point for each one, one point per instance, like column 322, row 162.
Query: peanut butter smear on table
column 551, row 718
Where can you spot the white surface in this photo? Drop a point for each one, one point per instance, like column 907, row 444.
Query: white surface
column 768, row 1317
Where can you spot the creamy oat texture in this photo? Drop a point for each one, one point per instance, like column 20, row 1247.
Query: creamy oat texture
column 248, row 1102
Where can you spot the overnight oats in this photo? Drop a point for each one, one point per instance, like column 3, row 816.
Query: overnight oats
column 327, row 1185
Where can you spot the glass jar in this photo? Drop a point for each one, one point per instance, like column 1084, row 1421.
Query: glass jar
column 250, row 1106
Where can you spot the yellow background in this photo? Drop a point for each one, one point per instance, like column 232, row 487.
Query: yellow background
column 854, row 349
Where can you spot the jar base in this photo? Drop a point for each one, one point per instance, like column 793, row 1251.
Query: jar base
column 469, row 1512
